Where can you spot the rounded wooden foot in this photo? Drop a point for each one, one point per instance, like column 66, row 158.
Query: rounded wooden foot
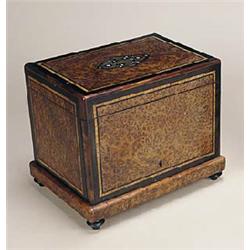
column 215, row 176
column 39, row 183
column 96, row 225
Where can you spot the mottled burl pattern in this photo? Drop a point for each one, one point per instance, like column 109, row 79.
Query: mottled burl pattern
column 152, row 95
column 131, row 199
column 82, row 69
column 146, row 135
column 56, row 136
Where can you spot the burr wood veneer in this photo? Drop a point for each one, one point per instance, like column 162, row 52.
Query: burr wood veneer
column 122, row 121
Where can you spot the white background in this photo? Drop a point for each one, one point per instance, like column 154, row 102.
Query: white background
column 205, row 215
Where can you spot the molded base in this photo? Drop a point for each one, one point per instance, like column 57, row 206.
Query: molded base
column 95, row 214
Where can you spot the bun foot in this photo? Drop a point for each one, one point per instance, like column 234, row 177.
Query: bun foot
column 96, row 225
column 215, row 176
column 39, row 183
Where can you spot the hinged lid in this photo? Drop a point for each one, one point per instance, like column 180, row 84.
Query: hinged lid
column 122, row 62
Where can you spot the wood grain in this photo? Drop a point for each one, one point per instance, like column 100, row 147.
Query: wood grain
column 141, row 136
column 131, row 199
column 56, row 133
column 81, row 69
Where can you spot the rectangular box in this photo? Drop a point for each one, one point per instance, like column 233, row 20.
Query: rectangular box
column 115, row 118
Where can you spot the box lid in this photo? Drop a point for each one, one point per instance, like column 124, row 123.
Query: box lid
column 123, row 62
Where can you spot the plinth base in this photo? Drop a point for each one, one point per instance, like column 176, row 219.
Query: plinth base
column 95, row 214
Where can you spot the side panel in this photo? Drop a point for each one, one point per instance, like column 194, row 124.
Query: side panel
column 144, row 136
column 55, row 130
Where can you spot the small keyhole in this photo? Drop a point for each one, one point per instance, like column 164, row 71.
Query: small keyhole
column 160, row 163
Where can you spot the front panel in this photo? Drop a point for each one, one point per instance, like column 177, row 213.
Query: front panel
column 142, row 137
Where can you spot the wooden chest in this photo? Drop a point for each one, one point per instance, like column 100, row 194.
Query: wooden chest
column 124, row 123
